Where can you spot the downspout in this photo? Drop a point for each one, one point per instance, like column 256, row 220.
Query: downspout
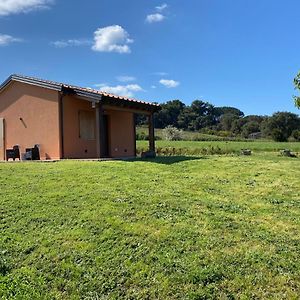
column 61, row 123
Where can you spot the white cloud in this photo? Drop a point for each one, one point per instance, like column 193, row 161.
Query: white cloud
column 153, row 18
column 158, row 16
column 161, row 7
column 153, row 86
column 169, row 83
column 100, row 85
column 6, row 39
column 112, row 39
column 160, row 73
column 70, row 43
column 8, row 7
column 121, row 90
column 125, row 78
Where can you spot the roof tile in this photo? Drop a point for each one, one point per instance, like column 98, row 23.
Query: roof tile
column 88, row 90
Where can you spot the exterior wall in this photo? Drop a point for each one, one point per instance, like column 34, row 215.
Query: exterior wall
column 74, row 146
column 121, row 133
column 31, row 117
column 1, row 138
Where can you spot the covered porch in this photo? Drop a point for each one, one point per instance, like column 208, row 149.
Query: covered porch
column 105, row 125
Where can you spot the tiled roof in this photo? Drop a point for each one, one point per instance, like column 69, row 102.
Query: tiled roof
column 59, row 86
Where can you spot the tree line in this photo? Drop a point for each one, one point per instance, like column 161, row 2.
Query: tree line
column 202, row 116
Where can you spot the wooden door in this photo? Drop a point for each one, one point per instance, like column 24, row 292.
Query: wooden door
column 106, row 141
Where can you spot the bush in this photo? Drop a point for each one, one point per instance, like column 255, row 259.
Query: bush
column 171, row 133
column 142, row 136
column 278, row 135
column 296, row 135
column 224, row 133
column 185, row 151
column 209, row 131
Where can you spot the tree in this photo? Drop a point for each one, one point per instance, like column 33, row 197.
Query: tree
column 202, row 114
column 198, row 115
column 169, row 114
column 185, row 118
column 237, row 125
column 224, row 110
column 297, row 86
column 281, row 125
column 227, row 120
column 250, row 127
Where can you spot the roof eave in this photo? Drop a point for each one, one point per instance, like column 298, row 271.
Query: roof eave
column 6, row 83
column 30, row 81
column 90, row 96
column 52, row 86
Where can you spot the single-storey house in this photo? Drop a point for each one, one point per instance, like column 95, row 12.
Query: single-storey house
column 68, row 121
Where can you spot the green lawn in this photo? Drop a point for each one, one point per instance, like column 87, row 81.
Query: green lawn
column 211, row 227
column 205, row 147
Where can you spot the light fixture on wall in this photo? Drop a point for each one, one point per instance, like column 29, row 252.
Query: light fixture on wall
column 93, row 104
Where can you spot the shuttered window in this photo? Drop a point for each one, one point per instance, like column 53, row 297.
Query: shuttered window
column 87, row 122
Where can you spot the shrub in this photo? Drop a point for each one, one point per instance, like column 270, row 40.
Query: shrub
column 185, row 151
column 171, row 133
column 224, row 133
column 142, row 136
column 278, row 135
column 296, row 135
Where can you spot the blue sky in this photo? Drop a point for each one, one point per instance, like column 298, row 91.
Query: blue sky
column 241, row 53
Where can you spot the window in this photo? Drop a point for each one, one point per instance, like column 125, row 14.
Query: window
column 87, row 120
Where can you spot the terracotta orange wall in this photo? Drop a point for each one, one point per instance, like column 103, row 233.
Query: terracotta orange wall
column 121, row 133
column 38, row 108
column 74, row 146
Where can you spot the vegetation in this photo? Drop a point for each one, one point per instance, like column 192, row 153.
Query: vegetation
column 171, row 133
column 281, row 126
column 216, row 147
column 203, row 117
column 142, row 135
column 297, row 87
column 170, row 228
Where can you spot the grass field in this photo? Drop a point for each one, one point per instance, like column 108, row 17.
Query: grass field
column 216, row 147
column 211, row 227
column 142, row 131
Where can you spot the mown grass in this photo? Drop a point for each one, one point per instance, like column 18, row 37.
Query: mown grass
column 216, row 147
column 213, row 227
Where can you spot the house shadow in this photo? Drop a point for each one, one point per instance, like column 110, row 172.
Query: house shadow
column 167, row 160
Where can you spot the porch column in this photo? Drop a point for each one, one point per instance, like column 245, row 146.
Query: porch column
column 100, row 130
column 151, row 133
